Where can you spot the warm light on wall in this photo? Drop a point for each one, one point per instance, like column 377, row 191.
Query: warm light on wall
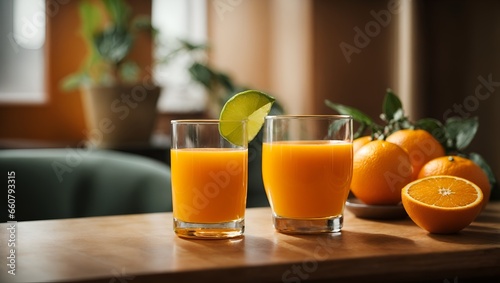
column 405, row 51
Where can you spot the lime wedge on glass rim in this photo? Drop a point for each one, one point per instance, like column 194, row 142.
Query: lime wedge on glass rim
column 250, row 105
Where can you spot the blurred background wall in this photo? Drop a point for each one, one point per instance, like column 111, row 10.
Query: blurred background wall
column 441, row 57
column 457, row 67
column 433, row 54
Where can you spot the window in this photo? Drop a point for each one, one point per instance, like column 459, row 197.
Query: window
column 179, row 19
column 22, row 24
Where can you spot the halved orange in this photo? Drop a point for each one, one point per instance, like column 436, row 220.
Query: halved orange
column 460, row 167
column 442, row 204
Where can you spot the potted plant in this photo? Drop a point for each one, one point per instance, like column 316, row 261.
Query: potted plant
column 119, row 98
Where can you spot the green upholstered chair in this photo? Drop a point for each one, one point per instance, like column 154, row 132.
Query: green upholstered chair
column 67, row 183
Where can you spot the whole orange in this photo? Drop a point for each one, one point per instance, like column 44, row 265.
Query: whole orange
column 460, row 167
column 421, row 146
column 359, row 142
column 380, row 170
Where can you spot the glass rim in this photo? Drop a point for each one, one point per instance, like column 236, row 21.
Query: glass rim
column 204, row 121
column 301, row 116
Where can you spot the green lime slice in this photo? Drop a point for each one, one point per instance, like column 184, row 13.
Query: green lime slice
column 250, row 105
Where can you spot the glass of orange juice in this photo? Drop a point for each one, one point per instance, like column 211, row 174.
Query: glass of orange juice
column 209, row 180
column 307, row 171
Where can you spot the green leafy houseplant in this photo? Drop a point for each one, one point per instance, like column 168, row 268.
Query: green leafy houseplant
column 218, row 84
column 109, row 32
column 119, row 104
column 455, row 134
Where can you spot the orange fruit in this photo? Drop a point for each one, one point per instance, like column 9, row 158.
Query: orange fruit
column 442, row 204
column 420, row 144
column 359, row 142
column 460, row 167
column 380, row 170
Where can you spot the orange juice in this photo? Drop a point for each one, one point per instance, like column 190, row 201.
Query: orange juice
column 307, row 179
column 209, row 185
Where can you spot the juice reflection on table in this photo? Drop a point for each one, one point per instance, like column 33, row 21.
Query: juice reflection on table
column 305, row 179
column 209, row 185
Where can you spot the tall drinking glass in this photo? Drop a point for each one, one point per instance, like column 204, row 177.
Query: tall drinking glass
column 307, row 171
column 209, row 180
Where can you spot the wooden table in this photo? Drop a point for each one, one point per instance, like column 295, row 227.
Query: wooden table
column 143, row 248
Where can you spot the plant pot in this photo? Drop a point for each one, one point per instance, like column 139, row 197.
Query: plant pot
column 120, row 116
